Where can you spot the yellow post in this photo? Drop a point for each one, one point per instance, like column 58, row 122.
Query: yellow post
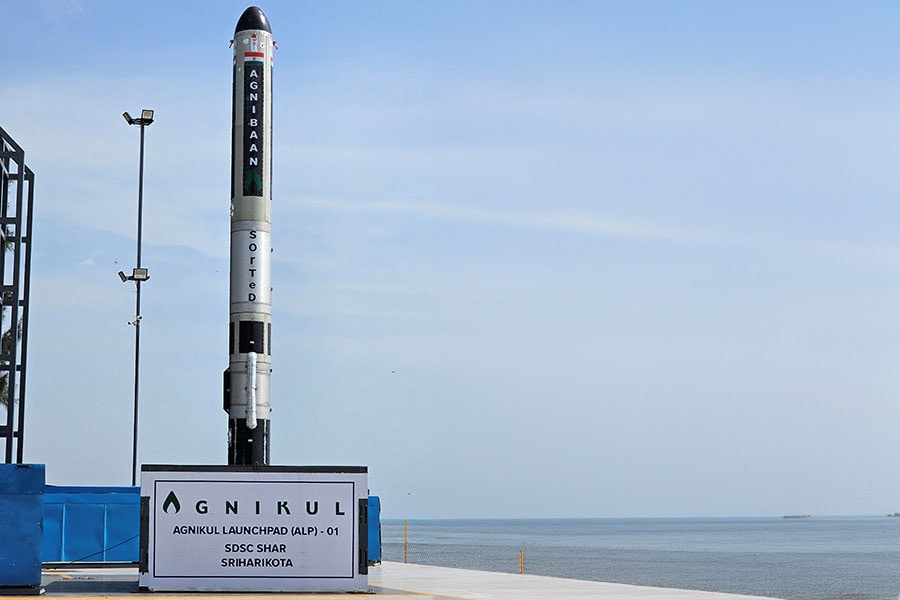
column 521, row 562
column 405, row 541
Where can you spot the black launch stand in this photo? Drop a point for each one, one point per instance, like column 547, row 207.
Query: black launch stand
column 248, row 446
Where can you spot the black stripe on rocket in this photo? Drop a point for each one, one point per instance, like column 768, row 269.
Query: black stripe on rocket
column 254, row 85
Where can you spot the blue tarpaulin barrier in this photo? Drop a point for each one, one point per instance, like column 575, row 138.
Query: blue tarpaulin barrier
column 374, row 517
column 91, row 524
column 21, row 516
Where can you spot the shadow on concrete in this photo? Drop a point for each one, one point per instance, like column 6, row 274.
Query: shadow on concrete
column 90, row 587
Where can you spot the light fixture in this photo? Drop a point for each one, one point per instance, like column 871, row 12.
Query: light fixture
column 123, row 276
column 139, row 274
column 145, row 119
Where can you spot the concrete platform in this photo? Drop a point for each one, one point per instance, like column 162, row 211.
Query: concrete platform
column 388, row 581
column 442, row 583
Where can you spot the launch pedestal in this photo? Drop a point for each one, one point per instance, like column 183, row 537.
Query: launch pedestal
column 260, row 529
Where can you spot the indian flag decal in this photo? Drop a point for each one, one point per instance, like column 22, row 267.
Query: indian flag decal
column 254, row 57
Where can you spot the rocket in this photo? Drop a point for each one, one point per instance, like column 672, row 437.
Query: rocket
column 246, row 380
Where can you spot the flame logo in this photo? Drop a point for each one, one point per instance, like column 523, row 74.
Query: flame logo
column 171, row 500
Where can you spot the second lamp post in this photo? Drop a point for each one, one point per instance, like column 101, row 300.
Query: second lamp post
column 138, row 275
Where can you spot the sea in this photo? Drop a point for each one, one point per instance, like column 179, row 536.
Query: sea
column 817, row 558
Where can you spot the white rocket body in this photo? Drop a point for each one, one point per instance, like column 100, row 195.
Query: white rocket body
column 250, row 322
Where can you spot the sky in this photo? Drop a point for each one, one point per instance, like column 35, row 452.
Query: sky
column 531, row 258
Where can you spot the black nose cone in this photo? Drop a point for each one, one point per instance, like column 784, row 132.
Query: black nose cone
column 253, row 18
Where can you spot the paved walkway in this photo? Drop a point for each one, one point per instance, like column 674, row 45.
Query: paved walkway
column 388, row 581
column 458, row 584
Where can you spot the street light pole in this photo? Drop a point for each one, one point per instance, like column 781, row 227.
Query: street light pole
column 138, row 275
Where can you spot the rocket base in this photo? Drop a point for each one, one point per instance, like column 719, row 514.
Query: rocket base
column 248, row 446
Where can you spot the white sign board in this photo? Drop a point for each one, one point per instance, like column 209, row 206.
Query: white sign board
column 254, row 529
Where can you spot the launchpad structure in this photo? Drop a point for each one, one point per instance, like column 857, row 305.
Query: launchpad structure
column 245, row 526
column 250, row 526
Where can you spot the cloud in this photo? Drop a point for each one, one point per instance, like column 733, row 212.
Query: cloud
column 610, row 227
column 578, row 224
column 58, row 12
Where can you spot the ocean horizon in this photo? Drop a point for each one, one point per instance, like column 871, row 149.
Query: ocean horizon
column 810, row 558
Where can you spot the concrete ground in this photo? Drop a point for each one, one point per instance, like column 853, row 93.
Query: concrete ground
column 458, row 584
column 394, row 581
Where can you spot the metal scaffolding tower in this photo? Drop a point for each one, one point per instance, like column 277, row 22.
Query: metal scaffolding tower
column 16, row 202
